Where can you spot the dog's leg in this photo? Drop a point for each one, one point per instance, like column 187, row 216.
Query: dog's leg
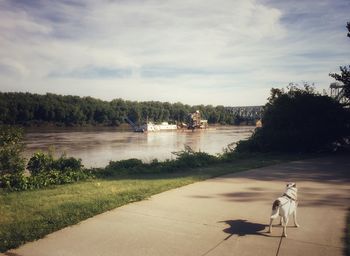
column 280, row 221
column 270, row 226
column 295, row 218
column 274, row 213
column 285, row 223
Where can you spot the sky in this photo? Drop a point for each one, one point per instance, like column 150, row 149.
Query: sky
column 222, row 52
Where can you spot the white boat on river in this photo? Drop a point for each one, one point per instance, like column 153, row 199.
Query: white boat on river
column 151, row 127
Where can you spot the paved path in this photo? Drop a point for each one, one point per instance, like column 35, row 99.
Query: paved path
column 222, row 216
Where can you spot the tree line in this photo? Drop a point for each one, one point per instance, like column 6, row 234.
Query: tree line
column 28, row 109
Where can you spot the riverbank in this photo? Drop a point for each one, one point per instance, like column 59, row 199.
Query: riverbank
column 29, row 215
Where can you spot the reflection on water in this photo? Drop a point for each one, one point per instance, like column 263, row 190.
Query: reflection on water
column 98, row 146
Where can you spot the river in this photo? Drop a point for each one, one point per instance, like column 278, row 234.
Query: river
column 97, row 146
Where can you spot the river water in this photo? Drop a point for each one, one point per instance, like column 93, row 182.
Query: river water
column 97, row 146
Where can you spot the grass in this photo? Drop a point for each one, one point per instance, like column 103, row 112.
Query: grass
column 30, row 215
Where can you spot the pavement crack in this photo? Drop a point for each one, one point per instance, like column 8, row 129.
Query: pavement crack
column 217, row 245
column 279, row 246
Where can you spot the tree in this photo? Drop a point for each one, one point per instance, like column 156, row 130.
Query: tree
column 135, row 114
column 11, row 149
column 33, row 109
column 299, row 120
column 344, row 77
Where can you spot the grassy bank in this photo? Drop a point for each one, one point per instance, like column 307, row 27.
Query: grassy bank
column 29, row 215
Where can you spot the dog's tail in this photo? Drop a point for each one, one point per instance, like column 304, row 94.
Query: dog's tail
column 275, row 209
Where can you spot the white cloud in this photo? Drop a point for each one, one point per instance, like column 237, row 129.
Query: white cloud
column 222, row 52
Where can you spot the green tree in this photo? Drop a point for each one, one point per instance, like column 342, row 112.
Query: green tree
column 11, row 149
column 344, row 76
column 34, row 109
column 299, row 120
column 135, row 114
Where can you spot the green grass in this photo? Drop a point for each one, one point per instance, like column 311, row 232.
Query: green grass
column 29, row 215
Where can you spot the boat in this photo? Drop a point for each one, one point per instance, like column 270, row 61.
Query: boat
column 151, row 127
column 196, row 122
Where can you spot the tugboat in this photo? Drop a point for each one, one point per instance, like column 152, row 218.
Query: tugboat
column 195, row 121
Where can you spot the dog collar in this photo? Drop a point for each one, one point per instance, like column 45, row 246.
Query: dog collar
column 289, row 197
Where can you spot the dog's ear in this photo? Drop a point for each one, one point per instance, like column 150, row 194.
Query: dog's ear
column 295, row 185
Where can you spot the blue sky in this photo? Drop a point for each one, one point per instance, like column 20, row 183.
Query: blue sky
column 219, row 52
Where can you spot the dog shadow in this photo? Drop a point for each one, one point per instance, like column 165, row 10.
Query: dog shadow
column 244, row 227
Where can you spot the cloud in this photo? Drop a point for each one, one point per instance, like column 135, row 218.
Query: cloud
column 187, row 51
column 92, row 72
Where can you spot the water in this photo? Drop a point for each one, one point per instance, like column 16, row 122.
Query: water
column 97, row 146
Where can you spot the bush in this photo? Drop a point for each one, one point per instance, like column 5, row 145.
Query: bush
column 40, row 162
column 190, row 158
column 46, row 171
column 185, row 159
column 129, row 166
column 67, row 164
column 11, row 149
column 14, row 182
column 125, row 164
column 18, row 182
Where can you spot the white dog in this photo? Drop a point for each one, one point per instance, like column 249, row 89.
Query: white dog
column 285, row 206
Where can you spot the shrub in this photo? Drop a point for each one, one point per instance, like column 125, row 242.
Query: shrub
column 126, row 164
column 17, row 182
column 14, row 182
column 44, row 162
column 40, row 162
column 189, row 158
column 132, row 165
column 67, row 164
column 11, row 149
column 46, row 171
column 185, row 159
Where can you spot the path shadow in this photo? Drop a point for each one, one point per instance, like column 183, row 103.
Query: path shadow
column 243, row 228
column 11, row 254
column 331, row 170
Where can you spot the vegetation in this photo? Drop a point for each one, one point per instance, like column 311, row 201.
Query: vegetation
column 299, row 120
column 29, row 215
column 44, row 169
column 11, row 148
column 185, row 159
column 34, row 109
column 344, row 76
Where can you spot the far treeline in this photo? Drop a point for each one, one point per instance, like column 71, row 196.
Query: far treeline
column 33, row 109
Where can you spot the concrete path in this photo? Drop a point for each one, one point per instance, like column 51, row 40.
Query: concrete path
column 223, row 216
